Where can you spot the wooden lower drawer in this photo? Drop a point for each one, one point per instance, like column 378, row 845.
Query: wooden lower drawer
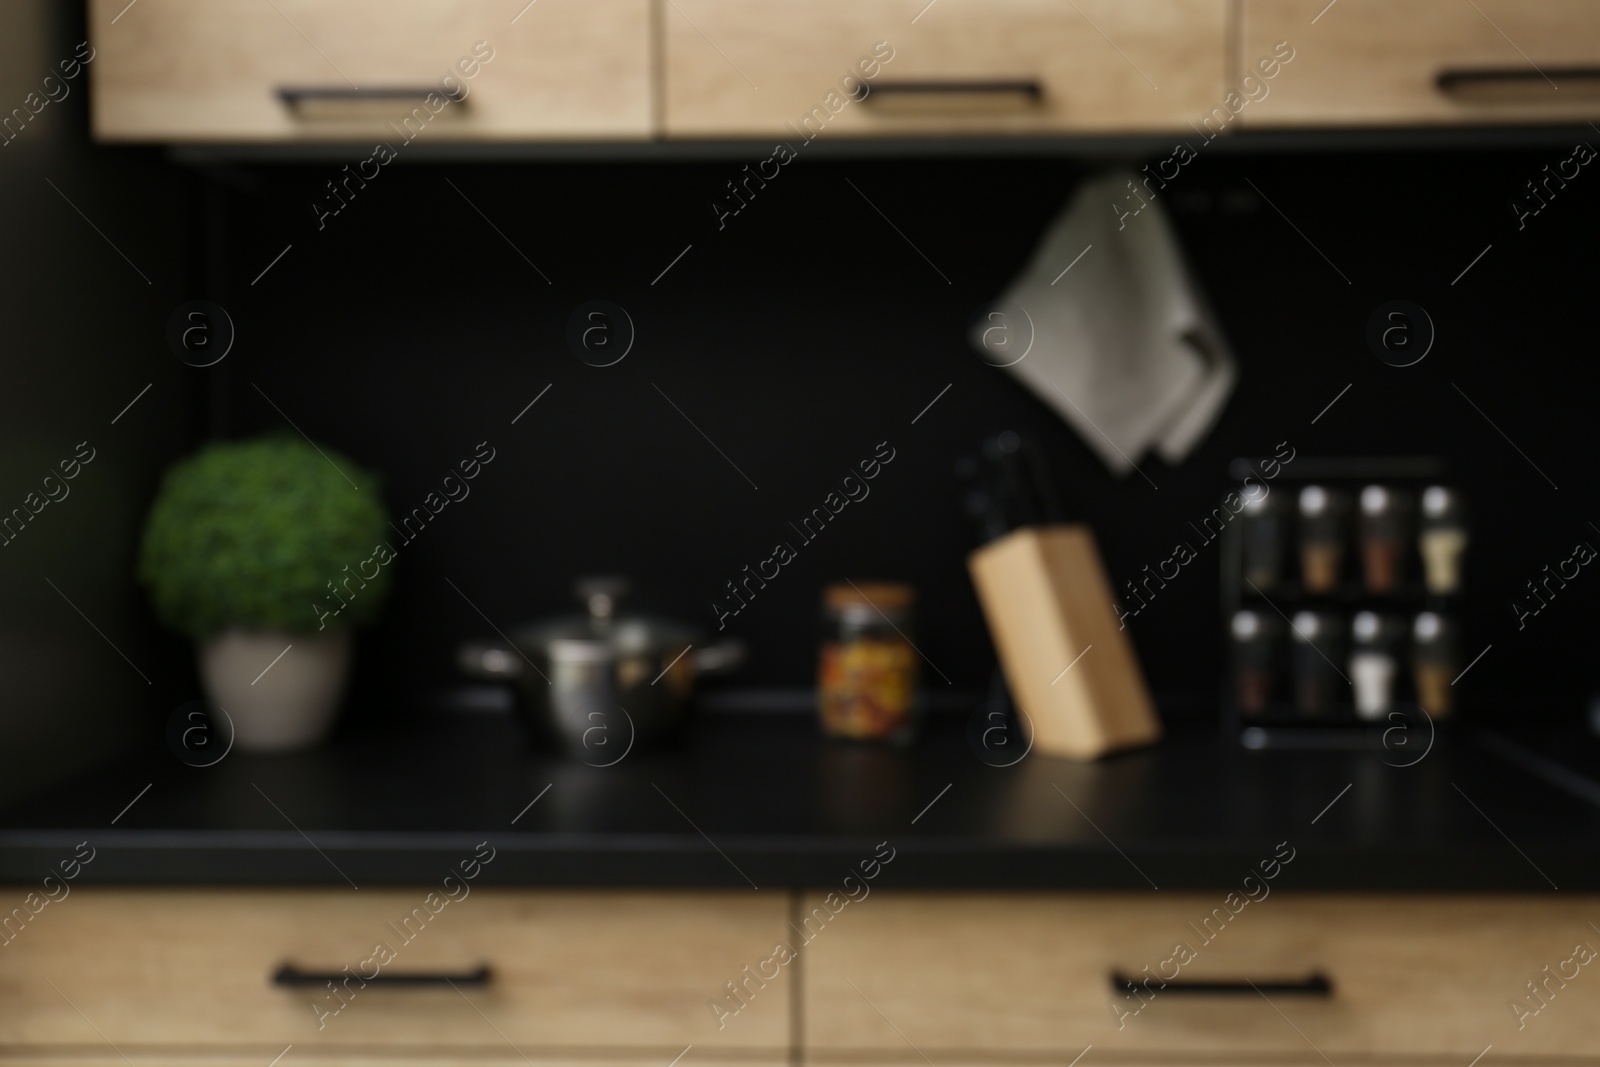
column 592, row 970
column 951, row 975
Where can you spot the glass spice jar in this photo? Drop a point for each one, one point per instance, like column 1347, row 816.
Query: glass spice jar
column 1255, row 654
column 1443, row 539
column 1318, row 644
column 867, row 678
column 1322, row 515
column 1374, row 663
column 1385, row 535
column 1266, row 523
column 1435, row 639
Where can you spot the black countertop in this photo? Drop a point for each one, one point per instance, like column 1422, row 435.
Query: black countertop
column 760, row 799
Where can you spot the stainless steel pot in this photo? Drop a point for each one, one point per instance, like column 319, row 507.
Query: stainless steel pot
column 604, row 682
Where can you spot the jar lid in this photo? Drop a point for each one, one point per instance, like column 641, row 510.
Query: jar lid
column 885, row 596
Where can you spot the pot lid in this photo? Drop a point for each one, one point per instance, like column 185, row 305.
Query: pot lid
column 605, row 632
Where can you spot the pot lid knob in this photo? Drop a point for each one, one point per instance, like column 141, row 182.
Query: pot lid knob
column 602, row 595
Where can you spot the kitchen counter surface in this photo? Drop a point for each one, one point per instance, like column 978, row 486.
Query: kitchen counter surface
column 759, row 799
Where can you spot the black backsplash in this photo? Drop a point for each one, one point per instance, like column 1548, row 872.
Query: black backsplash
column 415, row 324
column 97, row 250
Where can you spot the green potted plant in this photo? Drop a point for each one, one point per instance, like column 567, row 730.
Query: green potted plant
column 266, row 554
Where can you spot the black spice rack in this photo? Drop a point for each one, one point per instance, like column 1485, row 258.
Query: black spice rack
column 1341, row 583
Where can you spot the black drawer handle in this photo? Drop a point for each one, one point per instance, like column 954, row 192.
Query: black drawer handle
column 290, row 975
column 298, row 97
column 1022, row 87
column 1509, row 85
column 1316, row 985
column 905, row 95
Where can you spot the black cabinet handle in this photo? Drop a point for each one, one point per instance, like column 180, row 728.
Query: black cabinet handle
column 297, row 97
column 1315, row 985
column 929, row 94
column 290, row 975
column 1510, row 85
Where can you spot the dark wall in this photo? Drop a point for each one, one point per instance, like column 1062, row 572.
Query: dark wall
column 97, row 249
column 411, row 327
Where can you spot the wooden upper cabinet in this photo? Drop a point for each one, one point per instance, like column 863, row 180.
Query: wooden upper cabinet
column 294, row 70
column 618, row 70
column 737, row 68
column 1425, row 62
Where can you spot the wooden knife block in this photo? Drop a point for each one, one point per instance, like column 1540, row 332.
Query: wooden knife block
column 1071, row 670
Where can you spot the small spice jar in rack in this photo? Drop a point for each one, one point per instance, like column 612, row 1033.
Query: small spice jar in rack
column 1341, row 587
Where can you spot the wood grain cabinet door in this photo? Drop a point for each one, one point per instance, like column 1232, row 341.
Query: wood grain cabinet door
column 964, row 976
column 197, row 1057
column 391, row 971
column 431, row 1058
column 1425, row 62
column 798, row 68
column 295, row 70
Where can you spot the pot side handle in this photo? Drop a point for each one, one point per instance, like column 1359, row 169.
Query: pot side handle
column 489, row 662
column 722, row 658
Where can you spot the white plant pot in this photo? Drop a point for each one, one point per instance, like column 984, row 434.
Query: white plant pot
column 276, row 704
